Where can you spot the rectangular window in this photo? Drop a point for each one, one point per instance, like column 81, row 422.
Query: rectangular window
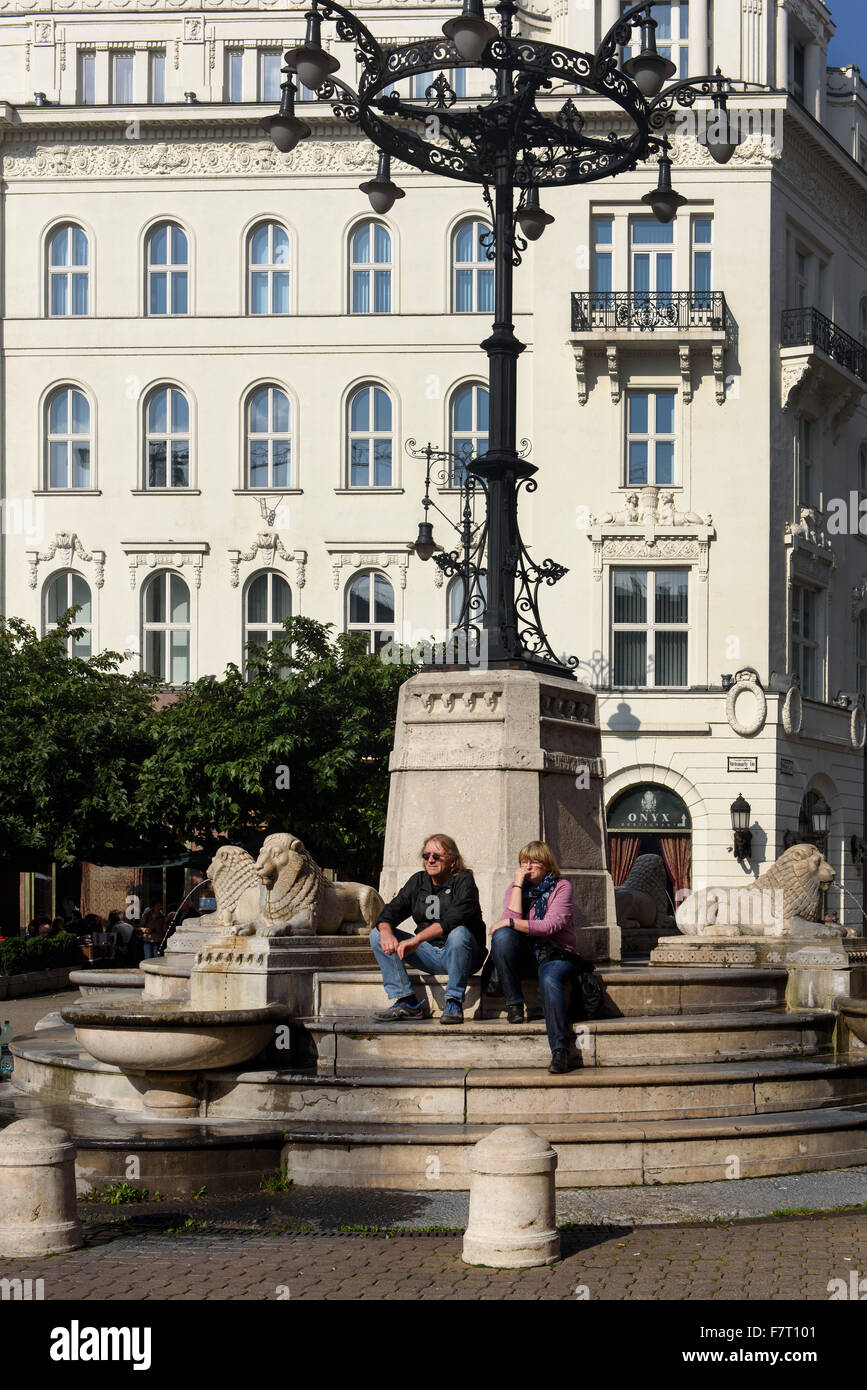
column 806, row 470
column 270, row 75
column 649, row 627
column 796, row 85
column 603, row 257
column 234, row 74
column 157, row 76
column 652, row 258
column 806, row 656
column 86, row 79
column 650, row 438
column 702, row 251
column 672, row 34
column 121, row 78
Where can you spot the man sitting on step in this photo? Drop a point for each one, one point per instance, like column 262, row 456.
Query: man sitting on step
column 449, row 937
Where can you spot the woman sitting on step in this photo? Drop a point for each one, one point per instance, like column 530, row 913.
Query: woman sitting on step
column 449, row 936
column 536, row 936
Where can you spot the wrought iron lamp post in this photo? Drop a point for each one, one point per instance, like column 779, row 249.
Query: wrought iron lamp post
column 505, row 144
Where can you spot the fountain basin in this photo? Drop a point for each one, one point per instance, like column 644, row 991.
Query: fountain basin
column 96, row 981
column 854, row 1014
column 156, row 1035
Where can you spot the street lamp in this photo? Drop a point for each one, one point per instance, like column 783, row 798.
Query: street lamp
column 741, row 812
column 520, row 139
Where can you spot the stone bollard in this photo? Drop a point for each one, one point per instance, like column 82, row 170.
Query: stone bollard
column 37, row 1191
column 512, row 1213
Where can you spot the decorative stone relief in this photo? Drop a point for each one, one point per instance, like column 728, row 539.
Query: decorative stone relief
column 718, row 358
column 655, row 512
column 459, row 703
column 379, row 559
column 561, row 707
column 809, row 532
column 613, row 360
column 793, row 711
column 703, row 955
column 858, row 727
column 746, row 689
column 30, row 160
column 581, row 372
column 684, row 355
column 176, row 559
column 43, row 32
column 270, row 545
column 67, row 542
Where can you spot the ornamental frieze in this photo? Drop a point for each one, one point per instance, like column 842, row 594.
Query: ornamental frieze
column 136, row 159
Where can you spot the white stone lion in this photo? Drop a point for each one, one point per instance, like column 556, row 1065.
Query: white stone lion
column 285, row 893
column 786, row 901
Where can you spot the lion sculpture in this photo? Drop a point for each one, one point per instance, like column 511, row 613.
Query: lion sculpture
column 285, row 893
column 785, row 901
column 642, row 899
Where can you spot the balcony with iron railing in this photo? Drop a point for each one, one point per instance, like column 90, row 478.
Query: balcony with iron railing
column 810, row 328
column 689, row 321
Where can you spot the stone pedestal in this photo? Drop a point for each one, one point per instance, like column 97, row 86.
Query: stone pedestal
column 37, row 1191
column 496, row 759
column 512, row 1202
column 818, row 969
column 247, row 972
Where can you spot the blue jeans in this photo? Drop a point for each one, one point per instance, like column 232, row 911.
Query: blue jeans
column 459, row 956
column 513, row 957
column 150, row 950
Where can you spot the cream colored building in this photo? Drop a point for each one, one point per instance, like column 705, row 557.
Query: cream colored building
column 213, row 354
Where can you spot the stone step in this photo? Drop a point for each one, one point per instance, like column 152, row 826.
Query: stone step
column 346, row 1046
column 525, row 1096
column 630, row 991
column 614, row 1154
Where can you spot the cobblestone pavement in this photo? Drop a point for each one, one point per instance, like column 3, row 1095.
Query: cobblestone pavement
column 790, row 1258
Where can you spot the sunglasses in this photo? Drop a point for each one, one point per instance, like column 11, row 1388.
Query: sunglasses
column 434, row 858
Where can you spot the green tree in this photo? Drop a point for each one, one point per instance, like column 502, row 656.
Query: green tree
column 73, row 735
column 299, row 743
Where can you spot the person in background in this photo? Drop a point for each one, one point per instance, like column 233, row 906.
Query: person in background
column 54, row 927
column 153, row 928
column 132, row 909
column 536, row 937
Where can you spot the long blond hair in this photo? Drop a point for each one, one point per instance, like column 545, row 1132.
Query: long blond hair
column 447, row 843
column 537, row 849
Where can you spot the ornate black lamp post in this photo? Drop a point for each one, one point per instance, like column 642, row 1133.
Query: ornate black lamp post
column 504, row 144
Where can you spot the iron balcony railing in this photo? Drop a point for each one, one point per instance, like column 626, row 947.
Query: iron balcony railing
column 809, row 328
column 647, row 311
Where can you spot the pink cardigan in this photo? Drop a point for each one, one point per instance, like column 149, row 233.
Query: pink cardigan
column 557, row 925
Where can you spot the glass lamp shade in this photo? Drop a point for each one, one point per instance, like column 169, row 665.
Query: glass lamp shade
column 531, row 219
column 741, row 812
column 663, row 200
column 717, row 136
column 648, row 69
column 425, row 545
column 310, row 63
column 470, row 32
column 820, row 816
column 719, row 149
column 287, row 131
column 381, row 191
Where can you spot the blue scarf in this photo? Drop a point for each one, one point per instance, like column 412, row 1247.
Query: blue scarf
column 536, row 895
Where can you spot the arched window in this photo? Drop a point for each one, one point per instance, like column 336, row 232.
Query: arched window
column 472, row 273
column 167, row 443
column 370, row 438
column 370, row 608
column 67, row 272
column 269, row 438
column 468, row 427
column 370, row 269
column 69, row 590
column 267, row 602
column 166, row 625
column 68, row 439
column 167, row 270
column 455, row 601
column 268, row 273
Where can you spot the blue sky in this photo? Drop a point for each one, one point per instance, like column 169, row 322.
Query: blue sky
column 849, row 44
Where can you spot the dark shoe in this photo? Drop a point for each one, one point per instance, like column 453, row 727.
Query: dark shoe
column 400, row 1009
column 452, row 1013
column 515, row 1013
column 559, row 1061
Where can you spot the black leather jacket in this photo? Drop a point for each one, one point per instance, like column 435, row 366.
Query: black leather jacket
column 454, row 903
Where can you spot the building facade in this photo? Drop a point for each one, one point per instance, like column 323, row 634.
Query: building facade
column 213, row 355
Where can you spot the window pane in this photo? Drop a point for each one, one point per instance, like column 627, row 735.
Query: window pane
column 158, row 77
column 58, row 414
column 641, row 273
column 630, row 658
column 663, row 274
column 464, row 292
column 180, row 464
column 259, row 246
column 637, row 463
column 259, row 292
column 361, row 244
column 58, row 294
column 671, row 596
column 157, row 464
column 179, row 293
column 80, row 465
column 235, row 72
column 271, row 77
column 281, row 292
column 630, row 596
column 155, row 600
column 80, row 413
column 383, row 603
column 159, row 246
column 382, row 463
column 157, row 413
column 649, row 232
column 638, row 412
column 180, row 671
column 701, row 230
column 179, row 246
column 381, row 244
column 359, row 471
column 482, row 409
column 464, row 242
column 382, row 291
column 602, row 275
column 281, row 246
column 180, row 413
column 56, row 599
column 180, row 600
column 281, row 599
column 665, row 412
column 360, row 410
column 81, row 645
column 282, row 461
column 702, row 272
column 257, row 600
column 57, row 465
column 79, row 247
column 463, row 409
column 280, row 405
column 258, row 463
column 361, row 292
column 79, row 294
column 664, row 463
column 81, row 597
column 122, row 78
column 604, row 230
column 359, row 599
column 159, row 300
column 486, row 291
column 381, row 410
column 259, row 412
column 155, row 647
column 670, row 658
column 60, row 247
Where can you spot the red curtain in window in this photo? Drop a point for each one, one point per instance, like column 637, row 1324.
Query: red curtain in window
column 622, row 853
column 677, row 854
